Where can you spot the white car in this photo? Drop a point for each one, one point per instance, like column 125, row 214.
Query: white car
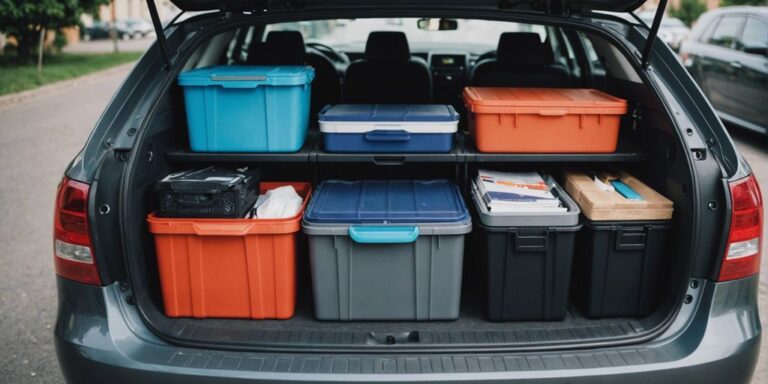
column 672, row 30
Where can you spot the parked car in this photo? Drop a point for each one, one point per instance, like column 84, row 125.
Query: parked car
column 702, row 323
column 97, row 30
column 133, row 28
column 727, row 55
column 671, row 31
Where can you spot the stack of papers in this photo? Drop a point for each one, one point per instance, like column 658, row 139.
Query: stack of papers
column 512, row 192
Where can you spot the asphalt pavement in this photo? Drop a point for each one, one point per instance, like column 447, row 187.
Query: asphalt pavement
column 38, row 138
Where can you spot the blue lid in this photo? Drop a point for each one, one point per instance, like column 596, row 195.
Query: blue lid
column 389, row 112
column 247, row 76
column 384, row 202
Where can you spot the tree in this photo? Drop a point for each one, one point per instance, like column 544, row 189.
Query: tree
column 688, row 11
column 743, row 2
column 26, row 19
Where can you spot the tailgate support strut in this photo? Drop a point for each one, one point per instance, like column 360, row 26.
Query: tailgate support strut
column 652, row 34
column 159, row 33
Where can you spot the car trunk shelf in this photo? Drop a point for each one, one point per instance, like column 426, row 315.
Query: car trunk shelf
column 463, row 152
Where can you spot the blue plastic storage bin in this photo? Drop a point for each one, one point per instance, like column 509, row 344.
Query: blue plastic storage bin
column 247, row 108
column 386, row 250
column 415, row 128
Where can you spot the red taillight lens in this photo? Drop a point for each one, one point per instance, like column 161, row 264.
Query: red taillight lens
column 745, row 238
column 73, row 253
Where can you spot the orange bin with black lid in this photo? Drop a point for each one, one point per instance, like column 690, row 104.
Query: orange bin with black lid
column 229, row 268
column 543, row 120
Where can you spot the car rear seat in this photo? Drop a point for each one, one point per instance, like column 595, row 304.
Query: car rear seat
column 522, row 60
column 287, row 48
column 388, row 74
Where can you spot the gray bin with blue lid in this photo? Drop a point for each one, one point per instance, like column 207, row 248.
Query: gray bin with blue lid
column 386, row 250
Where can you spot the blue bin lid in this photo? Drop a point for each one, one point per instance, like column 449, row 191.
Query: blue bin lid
column 389, row 112
column 247, row 76
column 386, row 201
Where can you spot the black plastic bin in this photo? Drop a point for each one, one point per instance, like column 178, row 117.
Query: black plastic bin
column 618, row 266
column 528, row 259
column 210, row 192
column 529, row 271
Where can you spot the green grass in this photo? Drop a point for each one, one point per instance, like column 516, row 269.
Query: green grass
column 56, row 67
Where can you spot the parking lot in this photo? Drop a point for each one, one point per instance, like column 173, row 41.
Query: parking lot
column 37, row 140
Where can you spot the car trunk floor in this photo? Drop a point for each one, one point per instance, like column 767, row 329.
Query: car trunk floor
column 472, row 328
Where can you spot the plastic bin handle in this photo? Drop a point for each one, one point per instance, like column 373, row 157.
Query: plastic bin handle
column 238, row 77
column 553, row 112
column 232, row 228
column 383, row 235
column 388, row 135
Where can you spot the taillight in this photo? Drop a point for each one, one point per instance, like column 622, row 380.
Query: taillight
column 73, row 253
column 745, row 237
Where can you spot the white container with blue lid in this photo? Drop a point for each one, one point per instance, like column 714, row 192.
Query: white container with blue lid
column 393, row 128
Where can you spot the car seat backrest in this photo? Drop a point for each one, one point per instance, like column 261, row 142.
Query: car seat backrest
column 388, row 74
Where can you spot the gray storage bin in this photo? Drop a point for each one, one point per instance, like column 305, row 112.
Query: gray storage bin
column 382, row 263
column 530, row 219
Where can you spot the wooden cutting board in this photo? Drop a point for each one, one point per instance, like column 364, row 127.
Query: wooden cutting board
column 600, row 205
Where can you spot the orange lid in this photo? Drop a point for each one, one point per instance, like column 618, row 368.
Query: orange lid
column 545, row 101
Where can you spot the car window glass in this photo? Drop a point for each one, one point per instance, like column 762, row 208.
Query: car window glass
column 755, row 34
column 727, row 31
column 594, row 60
column 707, row 33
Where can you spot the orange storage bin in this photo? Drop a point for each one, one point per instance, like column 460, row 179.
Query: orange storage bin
column 543, row 120
column 229, row 268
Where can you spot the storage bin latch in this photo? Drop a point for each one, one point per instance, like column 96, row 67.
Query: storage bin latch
column 629, row 239
column 530, row 242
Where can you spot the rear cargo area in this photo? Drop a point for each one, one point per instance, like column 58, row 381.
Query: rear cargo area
column 648, row 148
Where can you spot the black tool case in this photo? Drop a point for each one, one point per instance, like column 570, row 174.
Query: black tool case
column 212, row 192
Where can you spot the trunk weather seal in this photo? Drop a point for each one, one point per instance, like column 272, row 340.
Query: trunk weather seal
column 201, row 35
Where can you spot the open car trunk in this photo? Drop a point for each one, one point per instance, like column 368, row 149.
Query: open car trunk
column 649, row 148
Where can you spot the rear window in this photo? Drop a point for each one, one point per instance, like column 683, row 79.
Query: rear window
column 473, row 36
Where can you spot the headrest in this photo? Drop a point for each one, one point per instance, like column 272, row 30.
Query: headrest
column 387, row 46
column 284, row 48
column 523, row 48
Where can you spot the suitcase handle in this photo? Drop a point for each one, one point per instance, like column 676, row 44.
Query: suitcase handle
column 197, row 203
column 530, row 242
column 631, row 239
column 553, row 112
column 393, row 136
column 383, row 235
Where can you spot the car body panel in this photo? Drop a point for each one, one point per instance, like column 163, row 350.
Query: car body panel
column 100, row 338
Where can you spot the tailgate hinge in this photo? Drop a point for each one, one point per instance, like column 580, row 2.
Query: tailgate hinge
column 159, row 33
column 645, row 58
column 558, row 7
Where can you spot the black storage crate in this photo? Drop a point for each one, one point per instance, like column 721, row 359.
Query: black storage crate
column 618, row 267
column 529, row 271
column 208, row 193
